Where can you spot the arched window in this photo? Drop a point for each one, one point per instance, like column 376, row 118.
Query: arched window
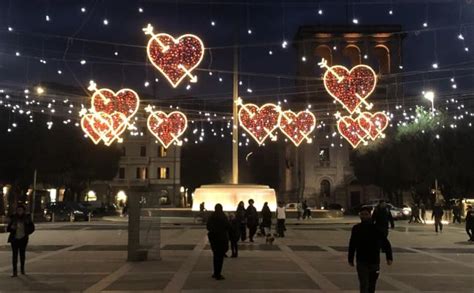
column 352, row 53
column 323, row 51
column 382, row 53
column 325, row 188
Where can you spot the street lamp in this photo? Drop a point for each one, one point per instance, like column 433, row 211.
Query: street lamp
column 429, row 95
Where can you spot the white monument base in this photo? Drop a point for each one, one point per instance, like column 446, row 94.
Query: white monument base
column 229, row 196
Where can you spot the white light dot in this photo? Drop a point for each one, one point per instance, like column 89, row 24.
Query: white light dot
column 390, row 12
column 156, row 79
column 249, row 90
column 320, row 11
column 188, row 87
column 146, row 84
column 249, row 31
column 10, row 29
column 435, row 65
column 365, row 56
column 17, row 53
column 106, row 21
column 83, row 9
column 400, row 66
column 60, row 72
column 454, row 86
column 355, row 21
column 461, row 37
column 47, row 18
column 213, row 23
column 303, row 58
column 140, row 9
column 466, row 49
column 220, row 79
column 116, row 53
column 270, row 52
column 284, row 44
column 425, row 24
column 334, row 48
column 83, row 62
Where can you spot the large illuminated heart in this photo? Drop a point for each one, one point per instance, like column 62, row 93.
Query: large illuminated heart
column 175, row 58
column 167, row 127
column 297, row 127
column 373, row 124
column 350, row 88
column 259, row 122
column 125, row 101
column 351, row 130
column 102, row 126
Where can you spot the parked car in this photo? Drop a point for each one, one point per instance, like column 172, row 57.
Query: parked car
column 65, row 211
column 397, row 213
column 334, row 207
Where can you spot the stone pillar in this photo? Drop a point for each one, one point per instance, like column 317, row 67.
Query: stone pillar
column 133, row 249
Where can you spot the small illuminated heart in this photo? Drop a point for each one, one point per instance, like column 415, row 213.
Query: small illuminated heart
column 350, row 88
column 125, row 101
column 373, row 124
column 259, row 122
column 351, row 130
column 102, row 126
column 297, row 127
column 175, row 58
column 167, row 127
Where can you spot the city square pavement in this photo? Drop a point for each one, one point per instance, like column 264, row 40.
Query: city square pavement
column 91, row 257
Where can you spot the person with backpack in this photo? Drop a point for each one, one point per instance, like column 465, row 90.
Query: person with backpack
column 20, row 227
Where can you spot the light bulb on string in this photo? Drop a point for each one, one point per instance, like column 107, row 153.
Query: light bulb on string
column 60, row 72
column 355, row 21
column 284, row 44
column 270, row 52
column 83, row 62
column 116, row 53
column 390, row 12
column 434, row 65
column 461, row 37
column 105, row 21
column 47, row 18
column 365, row 56
column 213, row 23
column 320, row 11
column 303, row 58
column 10, row 29
column 140, row 10
column 17, row 54
column 466, row 49
column 83, row 10
column 146, row 84
column 425, row 24
column 249, row 31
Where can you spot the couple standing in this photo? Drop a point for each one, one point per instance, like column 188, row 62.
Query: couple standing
column 247, row 218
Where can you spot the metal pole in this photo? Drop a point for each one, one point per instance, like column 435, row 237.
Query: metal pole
column 235, row 127
column 34, row 195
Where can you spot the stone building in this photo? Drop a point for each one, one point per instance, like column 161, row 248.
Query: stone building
column 321, row 172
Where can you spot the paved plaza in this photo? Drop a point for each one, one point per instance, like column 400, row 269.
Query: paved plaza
column 91, row 257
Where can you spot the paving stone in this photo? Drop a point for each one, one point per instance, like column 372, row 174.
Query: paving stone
column 305, row 248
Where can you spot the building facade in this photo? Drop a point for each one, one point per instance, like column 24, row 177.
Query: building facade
column 321, row 172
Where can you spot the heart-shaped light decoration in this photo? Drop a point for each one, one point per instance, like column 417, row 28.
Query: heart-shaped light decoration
column 101, row 126
column 373, row 124
column 351, row 130
column 297, row 127
column 125, row 101
column 175, row 58
column 167, row 127
column 259, row 122
column 350, row 87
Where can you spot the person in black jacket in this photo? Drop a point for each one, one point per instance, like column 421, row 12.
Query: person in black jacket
column 365, row 243
column 219, row 227
column 240, row 215
column 20, row 227
column 382, row 217
column 252, row 219
column 266, row 219
column 234, row 235
column 470, row 223
column 437, row 215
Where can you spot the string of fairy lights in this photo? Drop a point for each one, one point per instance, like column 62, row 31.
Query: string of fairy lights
column 28, row 100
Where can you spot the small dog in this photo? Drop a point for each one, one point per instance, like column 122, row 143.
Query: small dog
column 269, row 239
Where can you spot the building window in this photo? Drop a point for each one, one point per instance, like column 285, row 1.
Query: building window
column 163, row 173
column 161, row 152
column 324, row 158
column 325, row 188
column 142, row 173
column 143, row 151
column 121, row 173
column 124, row 151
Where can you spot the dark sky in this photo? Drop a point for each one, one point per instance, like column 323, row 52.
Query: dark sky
column 270, row 22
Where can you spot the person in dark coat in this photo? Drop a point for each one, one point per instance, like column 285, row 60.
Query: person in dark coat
column 234, row 235
column 20, row 227
column 382, row 217
column 266, row 219
column 470, row 223
column 252, row 219
column 415, row 214
column 457, row 213
column 240, row 215
column 365, row 243
column 219, row 227
column 437, row 215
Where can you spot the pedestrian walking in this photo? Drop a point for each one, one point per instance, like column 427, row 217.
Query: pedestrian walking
column 456, row 213
column 299, row 210
column 252, row 219
column 306, row 210
column 382, row 217
column 281, row 217
column 365, row 243
column 415, row 214
column 437, row 215
column 266, row 220
column 20, row 227
column 218, row 228
column 240, row 215
column 470, row 223
column 234, row 234
column 423, row 212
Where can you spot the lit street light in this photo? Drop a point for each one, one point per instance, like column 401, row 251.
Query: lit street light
column 429, row 95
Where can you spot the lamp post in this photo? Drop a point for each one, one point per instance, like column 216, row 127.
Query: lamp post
column 429, row 95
